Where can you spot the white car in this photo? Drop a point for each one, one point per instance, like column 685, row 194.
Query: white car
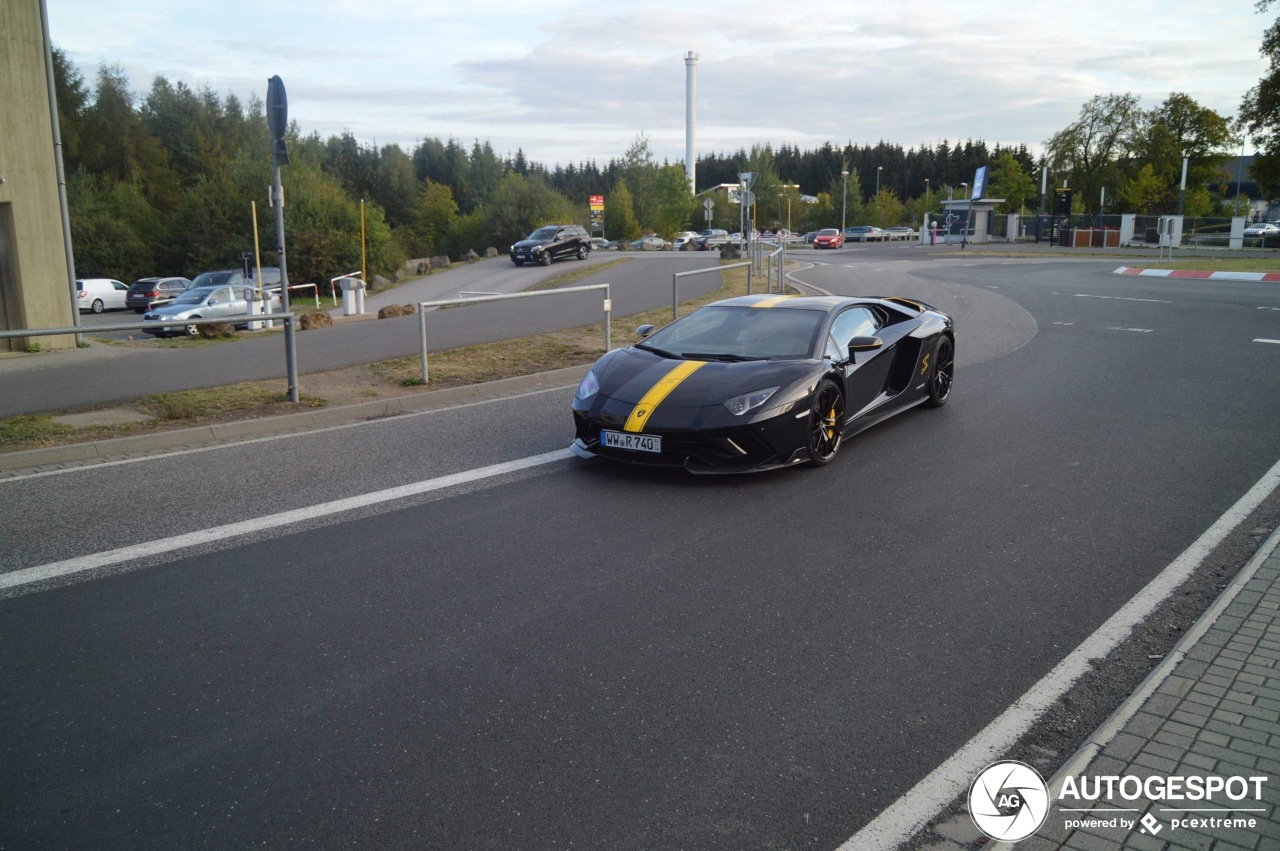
column 99, row 294
column 1261, row 229
column 683, row 239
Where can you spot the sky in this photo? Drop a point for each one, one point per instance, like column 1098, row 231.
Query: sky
column 568, row 82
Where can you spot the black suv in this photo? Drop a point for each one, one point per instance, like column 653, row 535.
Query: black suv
column 146, row 293
column 552, row 242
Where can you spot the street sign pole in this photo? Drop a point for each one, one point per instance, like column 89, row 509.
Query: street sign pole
column 278, row 123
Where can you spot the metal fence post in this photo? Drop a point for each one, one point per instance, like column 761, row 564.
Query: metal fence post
column 422, row 327
column 608, row 316
column 291, row 355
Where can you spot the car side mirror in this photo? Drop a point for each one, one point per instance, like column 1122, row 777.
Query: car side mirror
column 644, row 330
column 863, row 344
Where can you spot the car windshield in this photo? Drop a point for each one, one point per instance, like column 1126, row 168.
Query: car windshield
column 828, row 232
column 192, row 296
column 544, row 233
column 739, row 333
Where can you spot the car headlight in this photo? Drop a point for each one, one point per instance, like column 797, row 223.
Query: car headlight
column 589, row 386
column 739, row 405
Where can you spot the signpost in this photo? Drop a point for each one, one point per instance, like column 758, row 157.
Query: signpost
column 278, row 124
column 596, row 203
column 979, row 185
column 707, row 206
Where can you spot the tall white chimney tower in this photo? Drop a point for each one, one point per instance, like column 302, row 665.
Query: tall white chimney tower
column 690, row 117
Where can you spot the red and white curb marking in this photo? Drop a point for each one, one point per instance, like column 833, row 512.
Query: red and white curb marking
column 1187, row 273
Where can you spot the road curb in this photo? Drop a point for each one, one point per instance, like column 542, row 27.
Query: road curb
column 285, row 423
column 1269, row 277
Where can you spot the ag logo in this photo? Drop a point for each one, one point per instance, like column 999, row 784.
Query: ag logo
column 1009, row 801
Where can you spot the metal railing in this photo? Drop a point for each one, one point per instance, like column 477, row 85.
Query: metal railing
column 289, row 322
column 423, row 305
column 675, row 279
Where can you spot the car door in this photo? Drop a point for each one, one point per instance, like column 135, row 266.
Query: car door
column 118, row 297
column 865, row 374
column 219, row 302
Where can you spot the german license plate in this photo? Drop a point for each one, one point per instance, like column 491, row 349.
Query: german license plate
column 631, row 442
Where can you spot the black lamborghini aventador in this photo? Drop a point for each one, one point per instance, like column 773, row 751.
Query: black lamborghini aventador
column 758, row 382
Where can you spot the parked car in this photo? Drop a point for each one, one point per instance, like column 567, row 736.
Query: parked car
column 712, row 238
column 863, row 233
column 552, row 242
column 649, row 243
column 829, row 238
column 99, row 294
column 900, row 233
column 683, row 239
column 230, row 303
column 1261, row 229
column 235, row 277
column 599, row 243
column 146, row 293
column 810, row 237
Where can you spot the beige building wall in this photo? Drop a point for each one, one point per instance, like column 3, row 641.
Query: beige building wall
column 34, row 290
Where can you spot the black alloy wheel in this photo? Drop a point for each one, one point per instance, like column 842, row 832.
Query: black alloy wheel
column 545, row 258
column 943, row 373
column 826, row 422
column 582, row 252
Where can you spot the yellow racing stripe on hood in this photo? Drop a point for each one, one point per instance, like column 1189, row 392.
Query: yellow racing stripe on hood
column 645, row 407
column 772, row 302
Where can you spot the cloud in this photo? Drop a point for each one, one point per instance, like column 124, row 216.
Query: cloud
column 568, row 80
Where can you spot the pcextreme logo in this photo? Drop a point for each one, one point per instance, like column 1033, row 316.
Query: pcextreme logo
column 1009, row 801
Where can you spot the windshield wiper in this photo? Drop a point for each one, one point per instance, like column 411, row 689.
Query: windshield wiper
column 723, row 356
column 657, row 351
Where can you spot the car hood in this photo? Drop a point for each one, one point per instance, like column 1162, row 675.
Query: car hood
column 172, row 309
column 530, row 243
column 626, row 375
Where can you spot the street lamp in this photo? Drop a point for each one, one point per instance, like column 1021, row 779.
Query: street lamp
column 844, row 198
column 966, row 189
column 879, row 169
column 926, row 196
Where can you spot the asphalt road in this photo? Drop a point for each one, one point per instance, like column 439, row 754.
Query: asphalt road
column 583, row 655
column 105, row 374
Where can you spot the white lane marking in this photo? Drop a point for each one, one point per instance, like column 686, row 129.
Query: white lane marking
column 1064, row 323
column 1269, row 308
column 1121, row 298
column 991, row 287
column 1262, row 340
column 1139, row 330
column 57, row 569
column 398, row 417
column 927, row 798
